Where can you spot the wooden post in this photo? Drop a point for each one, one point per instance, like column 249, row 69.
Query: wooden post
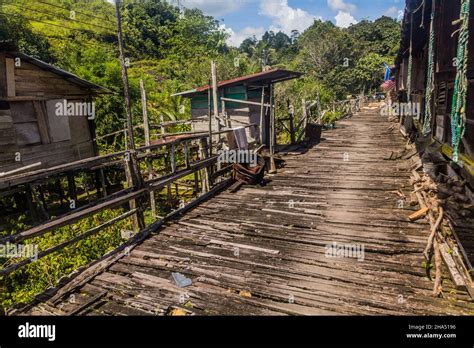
column 132, row 171
column 173, row 159
column 272, row 131
column 146, row 127
column 225, row 116
column 163, row 131
column 262, row 115
column 291, row 115
column 31, row 207
column 135, row 173
column 207, row 150
column 60, row 192
column 173, row 170
column 209, row 111
column 204, row 153
column 305, row 117
column 320, row 112
column 196, row 182
column 103, row 182
column 40, row 201
column 125, row 137
column 71, row 187
column 98, row 184
column 162, row 128
column 216, row 105
column 146, row 124
column 137, row 218
column 186, row 155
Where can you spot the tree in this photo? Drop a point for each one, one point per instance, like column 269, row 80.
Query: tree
column 16, row 34
column 369, row 71
column 248, row 46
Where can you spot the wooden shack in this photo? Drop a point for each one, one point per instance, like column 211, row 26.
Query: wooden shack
column 435, row 44
column 30, row 129
column 240, row 100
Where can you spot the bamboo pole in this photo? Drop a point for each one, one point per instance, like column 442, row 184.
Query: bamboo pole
column 305, row 119
column 136, row 179
column 207, row 150
column 225, row 116
column 245, row 102
column 272, row 131
column 291, row 116
column 19, row 170
column 146, row 127
column 262, row 115
column 216, row 105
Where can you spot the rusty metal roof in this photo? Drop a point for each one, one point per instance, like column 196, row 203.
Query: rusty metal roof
column 92, row 87
column 258, row 79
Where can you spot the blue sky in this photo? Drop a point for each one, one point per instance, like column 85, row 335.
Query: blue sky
column 244, row 18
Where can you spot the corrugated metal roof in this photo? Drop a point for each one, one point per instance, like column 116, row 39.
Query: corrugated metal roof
column 261, row 78
column 63, row 73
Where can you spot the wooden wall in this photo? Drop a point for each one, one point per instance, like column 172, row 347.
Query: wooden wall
column 239, row 113
column 446, row 75
column 30, row 80
column 28, row 124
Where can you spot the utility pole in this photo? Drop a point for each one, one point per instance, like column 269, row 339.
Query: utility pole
column 126, row 90
column 136, row 178
column 132, row 170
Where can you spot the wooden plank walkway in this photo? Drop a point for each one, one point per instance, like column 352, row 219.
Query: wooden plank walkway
column 262, row 251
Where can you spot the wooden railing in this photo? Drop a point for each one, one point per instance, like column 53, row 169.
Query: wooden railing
column 184, row 157
column 296, row 128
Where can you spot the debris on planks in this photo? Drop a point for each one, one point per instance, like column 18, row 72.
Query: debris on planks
column 244, row 174
column 248, row 175
column 181, row 280
column 178, row 312
column 87, row 305
column 245, row 293
column 398, row 193
column 452, row 269
column 418, row 215
column 236, row 186
column 407, row 153
column 440, row 198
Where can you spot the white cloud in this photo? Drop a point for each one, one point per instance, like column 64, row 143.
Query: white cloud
column 285, row 18
column 401, row 13
column 236, row 38
column 391, row 12
column 342, row 6
column 213, row 7
column 344, row 19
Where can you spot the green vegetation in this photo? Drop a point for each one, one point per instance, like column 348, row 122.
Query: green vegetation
column 171, row 53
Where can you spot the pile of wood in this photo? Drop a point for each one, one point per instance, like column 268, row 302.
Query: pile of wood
column 436, row 202
column 452, row 194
